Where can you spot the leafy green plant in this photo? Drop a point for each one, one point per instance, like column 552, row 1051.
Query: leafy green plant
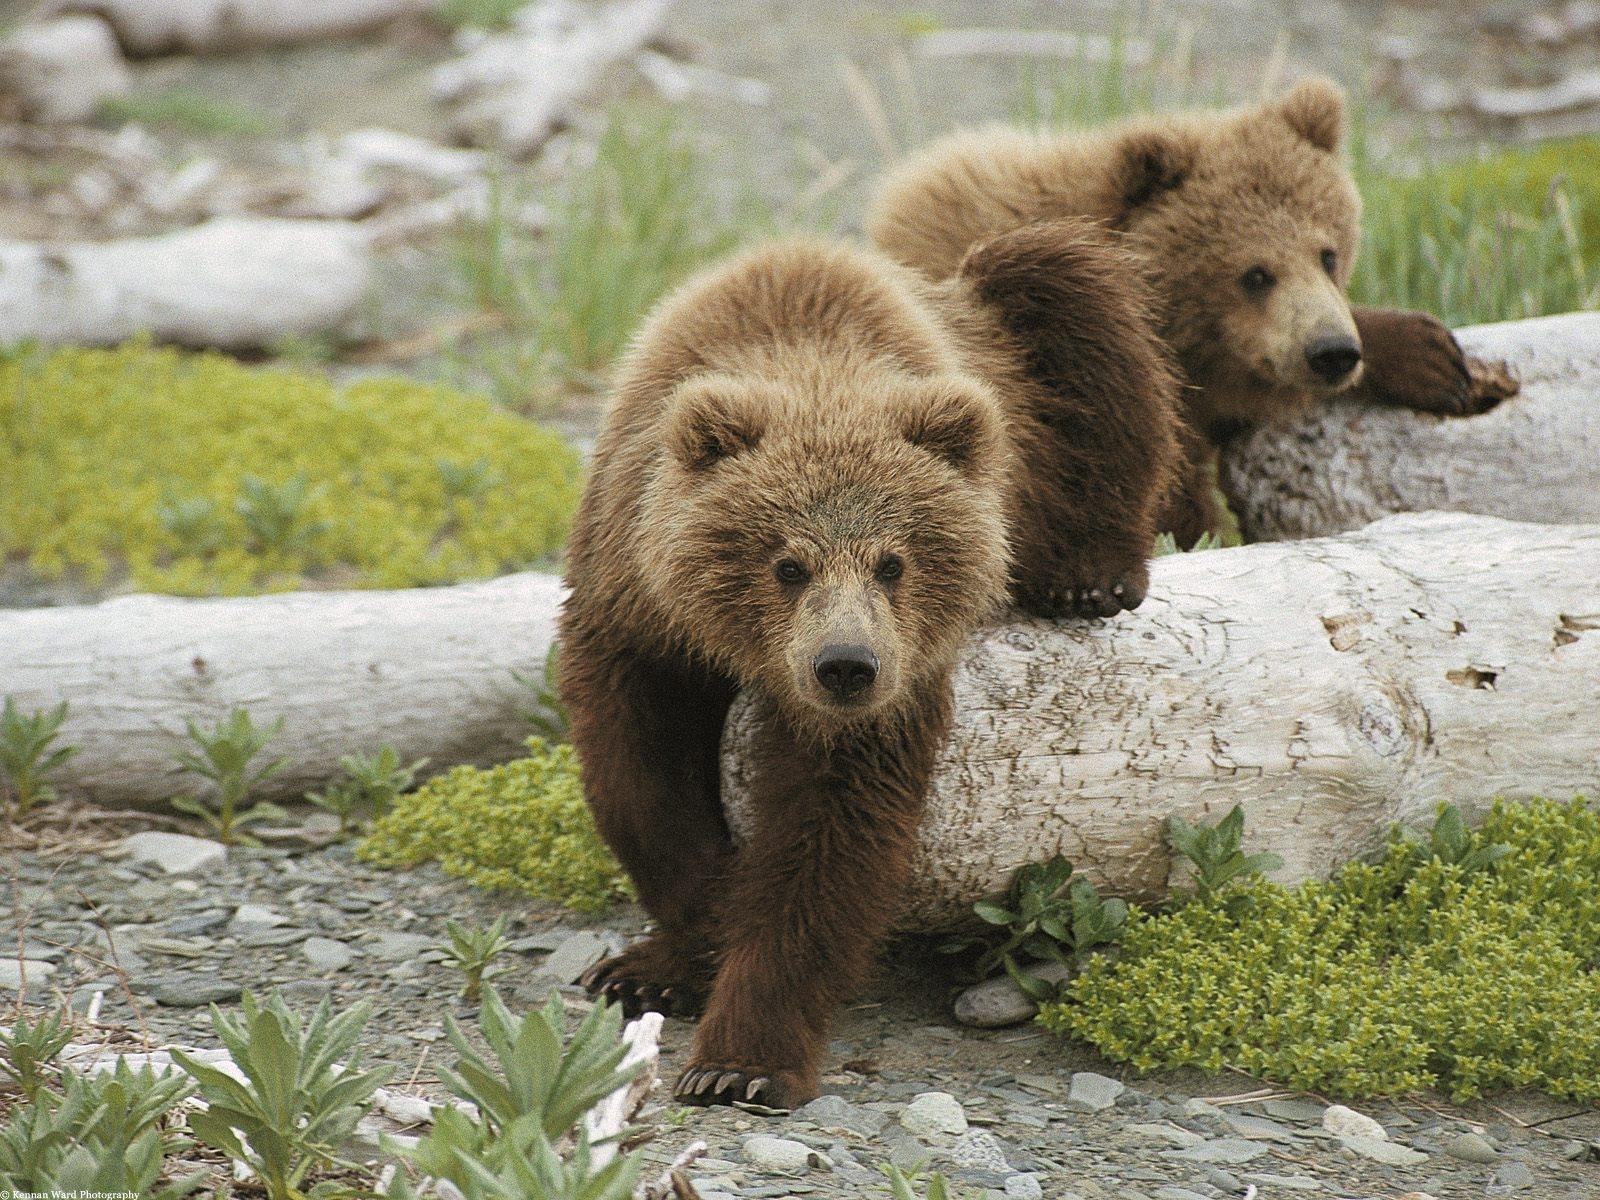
column 371, row 784
column 1451, row 842
column 521, row 826
column 224, row 757
column 527, row 1097
column 1048, row 916
column 548, row 714
column 26, row 755
column 477, row 14
column 474, row 951
column 188, row 111
column 28, row 1050
column 276, row 516
column 1216, row 854
column 1463, row 972
column 298, row 1102
column 903, row 1185
column 99, row 1135
column 135, row 464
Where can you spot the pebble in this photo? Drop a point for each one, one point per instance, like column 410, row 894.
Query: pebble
column 934, row 1112
column 249, row 918
column 1173, row 1192
column 998, row 1003
column 1302, row 1112
column 197, row 923
column 190, row 991
column 979, row 1150
column 1345, row 1122
column 283, row 935
column 1093, row 1093
column 327, row 954
column 392, row 946
column 1231, row 1151
column 1183, row 1139
column 1512, row 1177
column 1257, row 1128
column 781, row 1154
column 574, row 956
column 174, row 853
column 1472, row 1148
column 1024, row 1187
column 1292, row 1183
column 1380, row 1150
column 835, row 1112
column 14, row 972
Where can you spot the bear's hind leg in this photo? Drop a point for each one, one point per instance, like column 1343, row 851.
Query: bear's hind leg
column 648, row 733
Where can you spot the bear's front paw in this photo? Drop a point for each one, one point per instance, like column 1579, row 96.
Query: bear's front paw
column 1414, row 361
column 1088, row 593
column 709, row 1083
column 649, row 976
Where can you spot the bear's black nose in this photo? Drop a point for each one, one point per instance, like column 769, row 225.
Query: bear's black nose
column 1332, row 358
column 846, row 671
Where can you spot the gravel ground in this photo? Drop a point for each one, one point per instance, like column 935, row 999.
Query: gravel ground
column 1006, row 1112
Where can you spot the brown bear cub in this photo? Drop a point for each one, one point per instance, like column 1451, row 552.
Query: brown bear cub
column 818, row 474
column 1245, row 223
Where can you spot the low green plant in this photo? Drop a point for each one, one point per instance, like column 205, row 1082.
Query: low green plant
column 26, row 754
column 548, row 715
column 193, row 474
column 299, row 1100
column 474, row 951
column 1048, row 916
column 486, row 15
column 521, row 826
column 1216, row 852
column 224, row 756
column 370, row 785
column 1167, row 543
column 529, row 1093
column 28, row 1050
column 1468, row 972
column 188, row 111
column 903, row 1185
column 105, row 1134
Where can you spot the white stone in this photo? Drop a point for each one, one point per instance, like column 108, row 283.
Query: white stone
column 1093, row 1093
column 1024, row 1187
column 13, row 971
column 1383, row 1151
column 62, row 70
column 997, row 1003
column 1346, row 1123
column 934, row 1112
column 781, row 1154
column 248, row 918
column 327, row 954
column 174, row 853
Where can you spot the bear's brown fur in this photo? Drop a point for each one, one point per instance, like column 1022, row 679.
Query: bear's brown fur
column 818, row 474
column 1245, row 223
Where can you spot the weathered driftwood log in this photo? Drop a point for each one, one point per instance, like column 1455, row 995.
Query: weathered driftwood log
column 426, row 670
column 1332, row 687
column 236, row 283
column 1536, row 457
column 209, row 26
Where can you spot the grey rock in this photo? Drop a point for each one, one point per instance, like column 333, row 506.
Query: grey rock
column 1231, row 1151
column 781, row 1154
column 979, row 1150
column 1257, row 1129
column 1093, row 1093
column 197, row 923
column 998, row 1003
column 174, row 853
column 1183, row 1139
column 1302, row 1112
column 280, row 936
column 1024, row 1187
column 326, row 954
column 1391, row 1154
column 835, row 1112
column 1291, row 1183
column 1345, row 1122
column 14, row 972
column 934, row 1112
column 574, row 956
column 250, row 918
column 1512, row 1177
column 1174, row 1192
column 392, row 946
column 1472, row 1148
column 191, row 991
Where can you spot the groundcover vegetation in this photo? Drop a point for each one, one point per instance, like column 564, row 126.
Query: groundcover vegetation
column 1466, row 966
column 193, row 474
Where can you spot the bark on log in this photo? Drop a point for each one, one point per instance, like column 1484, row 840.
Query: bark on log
column 236, row 283
column 146, row 27
column 426, row 670
column 1331, row 687
column 1536, row 457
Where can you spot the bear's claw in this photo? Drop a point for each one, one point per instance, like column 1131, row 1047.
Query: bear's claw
column 627, row 979
column 1094, row 600
column 723, row 1085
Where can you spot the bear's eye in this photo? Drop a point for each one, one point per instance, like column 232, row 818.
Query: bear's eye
column 890, row 569
column 1257, row 281
column 790, row 572
column 1330, row 261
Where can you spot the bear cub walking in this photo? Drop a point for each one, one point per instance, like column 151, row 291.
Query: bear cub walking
column 818, row 475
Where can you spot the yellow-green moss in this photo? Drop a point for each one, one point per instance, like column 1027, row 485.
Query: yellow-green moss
column 1406, row 974
column 139, row 459
column 522, row 826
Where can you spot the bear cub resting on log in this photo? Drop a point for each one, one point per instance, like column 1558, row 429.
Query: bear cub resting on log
column 819, row 473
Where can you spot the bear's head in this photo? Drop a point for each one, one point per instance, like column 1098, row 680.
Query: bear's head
column 1249, row 224
column 831, row 536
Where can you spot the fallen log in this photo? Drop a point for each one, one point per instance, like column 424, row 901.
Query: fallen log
column 236, row 283
column 1332, row 687
column 1536, row 457
column 148, row 27
column 426, row 670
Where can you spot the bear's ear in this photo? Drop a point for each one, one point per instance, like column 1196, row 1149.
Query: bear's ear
column 712, row 420
column 1314, row 109
column 955, row 420
column 1151, row 162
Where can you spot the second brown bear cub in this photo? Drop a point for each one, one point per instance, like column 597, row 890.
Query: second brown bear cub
column 1245, row 223
column 818, row 474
